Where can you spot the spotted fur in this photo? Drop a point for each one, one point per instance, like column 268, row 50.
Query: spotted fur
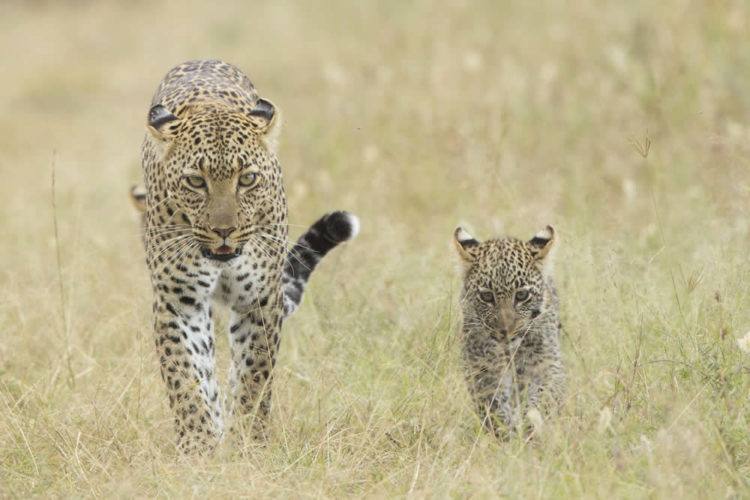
column 323, row 236
column 511, row 328
column 215, row 230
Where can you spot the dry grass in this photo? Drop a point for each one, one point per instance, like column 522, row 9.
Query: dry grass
column 626, row 125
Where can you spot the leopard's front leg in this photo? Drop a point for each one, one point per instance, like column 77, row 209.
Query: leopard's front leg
column 254, row 339
column 185, row 346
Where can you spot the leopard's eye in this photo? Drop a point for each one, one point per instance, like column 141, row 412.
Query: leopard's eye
column 522, row 295
column 487, row 296
column 249, row 179
column 195, row 181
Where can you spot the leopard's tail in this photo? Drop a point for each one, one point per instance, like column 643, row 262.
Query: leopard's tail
column 324, row 235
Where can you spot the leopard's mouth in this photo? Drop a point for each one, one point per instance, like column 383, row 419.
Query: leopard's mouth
column 222, row 253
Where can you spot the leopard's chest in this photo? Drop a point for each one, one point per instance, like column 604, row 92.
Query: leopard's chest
column 250, row 281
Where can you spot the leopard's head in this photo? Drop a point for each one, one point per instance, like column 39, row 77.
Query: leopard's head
column 221, row 170
column 504, row 287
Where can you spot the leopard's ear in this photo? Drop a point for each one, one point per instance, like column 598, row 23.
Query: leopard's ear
column 266, row 119
column 138, row 197
column 466, row 245
column 162, row 124
column 542, row 243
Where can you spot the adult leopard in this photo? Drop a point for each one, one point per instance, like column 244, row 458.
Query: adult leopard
column 215, row 229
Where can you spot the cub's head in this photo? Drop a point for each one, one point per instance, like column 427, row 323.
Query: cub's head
column 220, row 171
column 504, row 287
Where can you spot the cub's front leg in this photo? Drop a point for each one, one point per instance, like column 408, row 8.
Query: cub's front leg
column 185, row 346
column 489, row 376
column 547, row 387
column 495, row 403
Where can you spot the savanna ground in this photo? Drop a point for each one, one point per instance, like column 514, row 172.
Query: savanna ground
column 625, row 124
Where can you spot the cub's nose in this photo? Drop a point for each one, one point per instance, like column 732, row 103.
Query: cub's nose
column 224, row 232
column 503, row 331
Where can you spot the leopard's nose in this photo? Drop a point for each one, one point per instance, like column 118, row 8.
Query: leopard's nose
column 224, row 232
column 503, row 331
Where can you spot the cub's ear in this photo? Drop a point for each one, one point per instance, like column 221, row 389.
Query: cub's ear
column 267, row 120
column 162, row 123
column 466, row 245
column 542, row 243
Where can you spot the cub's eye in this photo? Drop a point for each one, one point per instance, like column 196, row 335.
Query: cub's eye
column 195, row 181
column 249, row 179
column 487, row 296
column 522, row 295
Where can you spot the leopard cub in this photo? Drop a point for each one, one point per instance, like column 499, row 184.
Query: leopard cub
column 511, row 329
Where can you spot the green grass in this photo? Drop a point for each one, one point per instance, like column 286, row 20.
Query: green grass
column 623, row 124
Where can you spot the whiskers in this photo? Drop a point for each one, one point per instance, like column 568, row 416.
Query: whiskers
column 184, row 250
column 175, row 248
column 174, row 242
column 267, row 244
column 166, row 231
column 163, row 230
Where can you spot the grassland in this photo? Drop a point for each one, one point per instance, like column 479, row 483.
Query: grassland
column 625, row 124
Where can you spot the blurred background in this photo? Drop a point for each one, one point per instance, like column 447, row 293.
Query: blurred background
column 624, row 124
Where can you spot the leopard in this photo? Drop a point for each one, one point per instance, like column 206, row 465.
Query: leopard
column 510, row 331
column 215, row 231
